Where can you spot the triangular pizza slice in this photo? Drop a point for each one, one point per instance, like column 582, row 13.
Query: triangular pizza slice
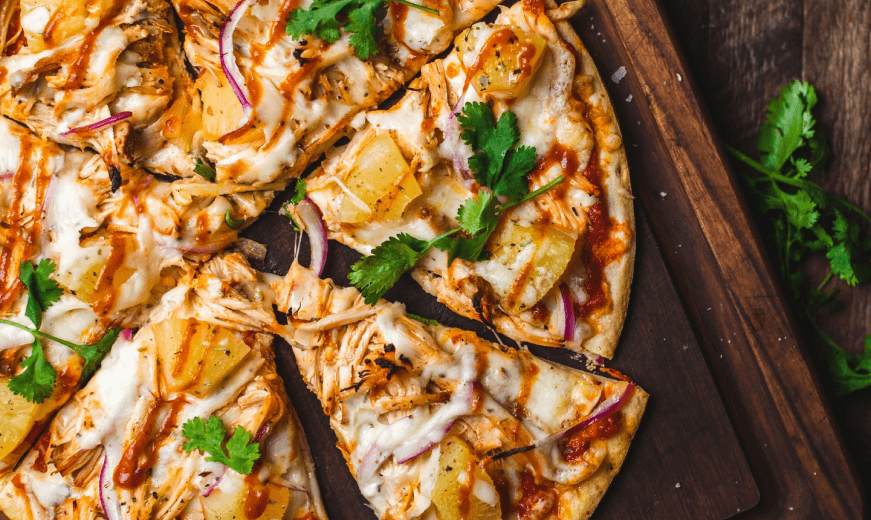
column 435, row 422
column 501, row 176
column 272, row 102
column 187, row 418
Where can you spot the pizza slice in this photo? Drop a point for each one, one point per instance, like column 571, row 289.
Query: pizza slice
column 89, row 260
column 187, row 418
column 108, row 75
column 272, row 103
column 501, row 177
column 436, row 422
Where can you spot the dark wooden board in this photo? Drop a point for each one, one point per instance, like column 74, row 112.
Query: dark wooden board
column 741, row 53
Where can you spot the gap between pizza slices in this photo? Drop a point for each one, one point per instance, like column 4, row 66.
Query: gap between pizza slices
column 179, row 166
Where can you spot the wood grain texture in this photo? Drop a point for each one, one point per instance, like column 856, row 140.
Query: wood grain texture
column 727, row 282
column 741, row 52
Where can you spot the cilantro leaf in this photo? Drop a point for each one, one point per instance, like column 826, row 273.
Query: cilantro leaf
column 851, row 373
column 36, row 383
column 205, row 171
column 360, row 18
column 789, row 122
column 478, row 214
column 421, row 319
column 492, row 165
column 378, row 272
column 800, row 209
column 94, row 354
column 299, row 192
column 42, row 290
column 362, row 24
column 208, row 437
column 233, row 223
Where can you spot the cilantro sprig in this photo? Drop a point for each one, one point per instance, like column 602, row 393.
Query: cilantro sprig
column 231, row 222
column 499, row 165
column 36, row 382
column 299, row 191
column 807, row 220
column 208, row 437
column 359, row 18
column 205, row 171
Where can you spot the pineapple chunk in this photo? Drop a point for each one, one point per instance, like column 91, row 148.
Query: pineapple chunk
column 17, row 417
column 507, row 62
column 533, row 258
column 244, row 498
column 382, row 179
column 196, row 356
column 463, row 490
column 47, row 23
column 98, row 272
column 221, row 108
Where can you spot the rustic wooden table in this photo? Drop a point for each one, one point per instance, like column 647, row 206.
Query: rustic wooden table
column 740, row 53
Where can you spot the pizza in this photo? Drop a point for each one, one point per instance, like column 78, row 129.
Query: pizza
column 123, row 443
column 136, row 364
column 435, row 419
column 112, row 255
column 287, row 99
column 565, row 255
column 107, row 75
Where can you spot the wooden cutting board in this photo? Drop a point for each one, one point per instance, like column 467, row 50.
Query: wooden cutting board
column 736, row 423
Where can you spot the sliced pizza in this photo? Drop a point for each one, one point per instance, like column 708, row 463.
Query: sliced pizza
column 77, row 259
column 501, row 176
column 186, row 418
column 435, row 422
column 272, row 103
column 109, row 75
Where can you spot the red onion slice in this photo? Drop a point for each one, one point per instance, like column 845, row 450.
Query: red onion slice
column 127, row 334
column 313, row 220
column 5, row 176
column 108, row 497
column 567, row 312
column 263, row 431
column 121, row 116
column 614, row 403
column 228, row 58
column 217, row 482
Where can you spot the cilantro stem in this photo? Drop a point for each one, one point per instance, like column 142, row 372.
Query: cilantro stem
column 826, row 280
column 422, row 8
column 36, row 333
column 850, row 206
column 534, row 194
column 749, row 161
column 443, row 235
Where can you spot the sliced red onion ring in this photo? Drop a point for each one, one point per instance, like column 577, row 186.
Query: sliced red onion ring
column 313, row 220
column 217, row 482
column 263, row 431
column 121, row 116
column 567, row 312
column 438, row 426
column 127, row 334
column 452, row 135
column 604, row 409
column 228, row 58
column 108, row 497
column 5, row 176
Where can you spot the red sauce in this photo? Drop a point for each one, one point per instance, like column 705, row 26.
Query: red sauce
column 256, row 497
column 258, row 51
column 578, row 439
column 528, row 378
column 536, row 501
column 15, row 244
column 104, row 289
column 398, row 12
column 184, row 348
column 534, row 6
column 40, row 448
column 140, row 456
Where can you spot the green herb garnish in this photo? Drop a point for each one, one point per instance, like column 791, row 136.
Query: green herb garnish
column 807, row 220
column 208, row 436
